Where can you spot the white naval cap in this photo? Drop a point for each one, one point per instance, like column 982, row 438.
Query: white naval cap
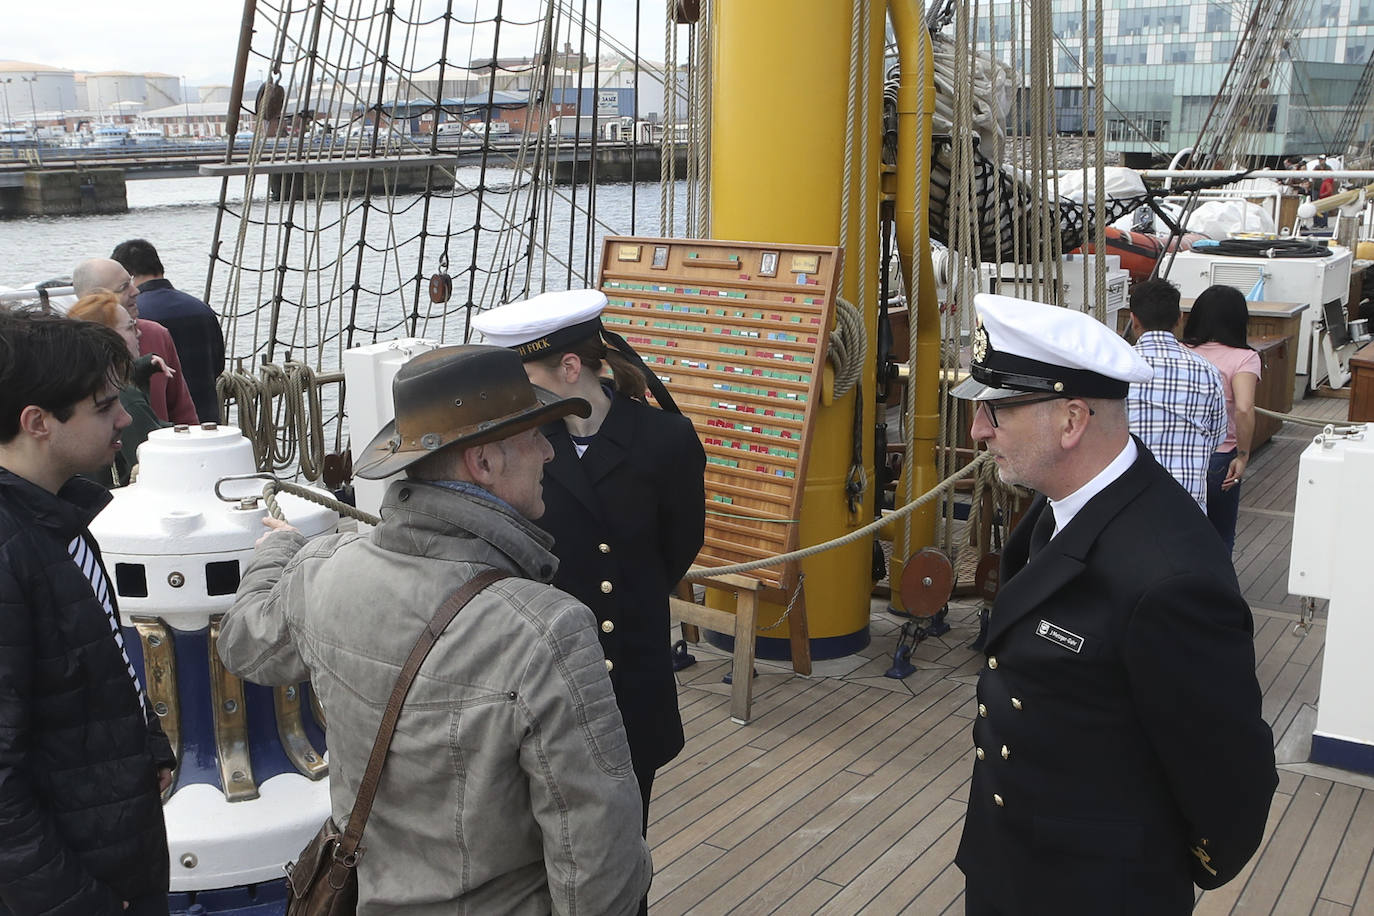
column 1022, row 346
column 538, row 326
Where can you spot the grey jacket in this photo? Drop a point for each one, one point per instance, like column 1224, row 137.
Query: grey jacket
column 508, row 788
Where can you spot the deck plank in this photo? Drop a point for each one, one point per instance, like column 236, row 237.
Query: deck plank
column 1353, row 858
column 1276, row 862
column 1223, row 900
column 935, row 833
column 1318, row 853
column 836, row 829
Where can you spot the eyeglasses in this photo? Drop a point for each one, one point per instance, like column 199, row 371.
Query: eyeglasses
column 992, row 407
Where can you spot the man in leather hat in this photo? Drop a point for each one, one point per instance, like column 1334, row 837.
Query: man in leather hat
column 509, row 786
column 1121, row 756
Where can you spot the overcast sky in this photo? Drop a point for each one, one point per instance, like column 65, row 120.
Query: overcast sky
column 198, row 40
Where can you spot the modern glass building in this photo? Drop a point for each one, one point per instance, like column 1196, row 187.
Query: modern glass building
column 1165, row 62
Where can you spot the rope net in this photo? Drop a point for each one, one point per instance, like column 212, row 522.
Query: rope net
column 391, row 144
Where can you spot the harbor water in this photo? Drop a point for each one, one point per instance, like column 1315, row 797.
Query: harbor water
column 178, row 216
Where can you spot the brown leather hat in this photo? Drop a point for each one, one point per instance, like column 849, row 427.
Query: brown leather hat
column 467, row 396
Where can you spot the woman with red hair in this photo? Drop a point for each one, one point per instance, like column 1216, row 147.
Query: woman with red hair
column 104, row 308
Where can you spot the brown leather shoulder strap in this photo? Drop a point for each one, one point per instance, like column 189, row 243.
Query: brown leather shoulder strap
column 367, row 789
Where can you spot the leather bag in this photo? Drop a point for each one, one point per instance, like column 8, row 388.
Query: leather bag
column 323, row 881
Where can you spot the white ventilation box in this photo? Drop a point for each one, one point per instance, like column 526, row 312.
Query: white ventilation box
column 1329, row 562
column 368, row 372
column 1313, row 281
column 1075, row 293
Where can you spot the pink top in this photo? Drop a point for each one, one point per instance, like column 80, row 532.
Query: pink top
column 1229, row 361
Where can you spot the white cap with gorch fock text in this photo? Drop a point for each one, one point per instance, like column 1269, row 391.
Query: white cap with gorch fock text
column 537, row 326
column 1021, row 346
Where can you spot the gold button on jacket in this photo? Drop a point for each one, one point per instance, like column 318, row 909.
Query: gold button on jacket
column 606, row 588
column 982, row 711
column 609, row 664
column 607, row 626
column 992, row 662
column 997, row 800
column 604, row 548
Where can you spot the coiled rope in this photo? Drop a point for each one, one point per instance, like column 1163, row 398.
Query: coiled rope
column 848, row 346
column 1269, row 248
column 281, row 412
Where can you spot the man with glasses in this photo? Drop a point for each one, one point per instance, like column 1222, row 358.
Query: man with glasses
column 1121, row 756
column 168, row 395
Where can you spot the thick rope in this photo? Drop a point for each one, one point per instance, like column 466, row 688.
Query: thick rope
column 272, row 487
column 1293, row 418
column 851, row 537
column 667, row 149
column 701, row 133
column 848, row 347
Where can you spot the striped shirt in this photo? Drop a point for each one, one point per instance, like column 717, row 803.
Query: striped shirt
column 84, row 557
column 1180, row 414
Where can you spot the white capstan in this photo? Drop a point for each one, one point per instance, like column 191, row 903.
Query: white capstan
column 1023, row 346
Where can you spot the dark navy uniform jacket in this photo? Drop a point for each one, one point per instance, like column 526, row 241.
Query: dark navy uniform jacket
column 628, row 518
column 199, row 339
column 1120, row 751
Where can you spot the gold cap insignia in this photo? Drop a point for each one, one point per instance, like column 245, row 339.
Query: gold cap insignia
column 980, row 343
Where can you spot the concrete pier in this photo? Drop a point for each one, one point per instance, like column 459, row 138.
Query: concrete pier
column 616, row 163
column 68, row 192
column 402, row 179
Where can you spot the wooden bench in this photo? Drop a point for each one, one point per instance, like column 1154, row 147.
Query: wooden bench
column 748, row 593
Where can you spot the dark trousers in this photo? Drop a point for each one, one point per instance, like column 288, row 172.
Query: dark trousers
column 976, row 904
column 1223, row 506
column 645, row 775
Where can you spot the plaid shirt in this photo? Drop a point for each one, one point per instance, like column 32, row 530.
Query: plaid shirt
column 1180, row 414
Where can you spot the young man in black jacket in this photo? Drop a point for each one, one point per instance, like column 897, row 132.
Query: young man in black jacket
column 82, row 757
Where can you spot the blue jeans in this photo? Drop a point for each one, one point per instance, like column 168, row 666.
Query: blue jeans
column 1223, row 506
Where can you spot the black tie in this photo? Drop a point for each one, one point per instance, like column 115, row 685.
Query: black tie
column 1044, row 528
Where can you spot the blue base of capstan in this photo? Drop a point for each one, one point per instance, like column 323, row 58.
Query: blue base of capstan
column 780, row 650
column 1347, row 755
column 265, row 899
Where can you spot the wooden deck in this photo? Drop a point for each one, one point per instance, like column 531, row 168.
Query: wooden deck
column 846, row 793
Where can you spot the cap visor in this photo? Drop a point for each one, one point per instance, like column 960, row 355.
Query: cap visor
column 970, row 389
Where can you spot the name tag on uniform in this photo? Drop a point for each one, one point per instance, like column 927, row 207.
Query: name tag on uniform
column 1059, row 636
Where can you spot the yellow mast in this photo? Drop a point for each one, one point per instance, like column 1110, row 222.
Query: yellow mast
column 779, row 111
column 914, row 119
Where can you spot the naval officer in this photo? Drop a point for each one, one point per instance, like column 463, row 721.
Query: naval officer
column 1120, row 753
column 624, row 498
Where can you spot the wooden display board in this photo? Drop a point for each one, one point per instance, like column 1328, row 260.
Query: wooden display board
column 738, row 333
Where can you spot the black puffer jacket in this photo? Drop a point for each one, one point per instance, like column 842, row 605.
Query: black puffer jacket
column 80, row 818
